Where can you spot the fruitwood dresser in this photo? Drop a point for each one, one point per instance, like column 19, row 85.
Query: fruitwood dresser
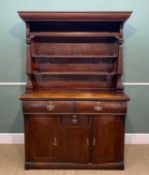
column 74, row 105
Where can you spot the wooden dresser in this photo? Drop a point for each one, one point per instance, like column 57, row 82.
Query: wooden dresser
column 74, row 105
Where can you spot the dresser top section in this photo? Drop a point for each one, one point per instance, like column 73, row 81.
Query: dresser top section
column 74, row 95
column 74, row 16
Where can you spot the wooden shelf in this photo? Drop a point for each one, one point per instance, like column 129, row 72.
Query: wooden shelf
column 75, row 94
column 74, row 56
column 75, row 73
column 75, row 34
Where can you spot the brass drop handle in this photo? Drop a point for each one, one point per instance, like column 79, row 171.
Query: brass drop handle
column 74, row 119
column 87, row 141
column 94, row 141
column 50, row 106
column 55, row 142
column 98, row 107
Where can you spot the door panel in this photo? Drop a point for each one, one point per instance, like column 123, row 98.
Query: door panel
column 108, row 133
column 75, row 139
column 44, row 138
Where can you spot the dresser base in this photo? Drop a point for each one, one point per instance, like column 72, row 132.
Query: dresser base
column 112, row 166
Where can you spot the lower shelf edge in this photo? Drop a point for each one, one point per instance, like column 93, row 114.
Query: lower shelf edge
column 112, row 166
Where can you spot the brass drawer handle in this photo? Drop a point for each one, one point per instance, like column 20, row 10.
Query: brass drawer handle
column 55, row 142
column 87, row 142
column 74, row 121
column 94, row 141
column 50, row 106
column 98, row 107
column 74, row 116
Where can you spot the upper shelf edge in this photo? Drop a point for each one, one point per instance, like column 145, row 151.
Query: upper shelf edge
column 74, row 16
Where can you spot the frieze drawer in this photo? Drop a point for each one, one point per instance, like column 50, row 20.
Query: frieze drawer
column 100, row 107
column 73, row 107
column 48, row 106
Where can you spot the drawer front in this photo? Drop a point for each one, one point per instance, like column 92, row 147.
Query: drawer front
column 100, row 107
column 74, row 107
column 74, row 121
column 48, row 106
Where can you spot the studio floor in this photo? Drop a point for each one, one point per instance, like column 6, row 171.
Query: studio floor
column 12, row 163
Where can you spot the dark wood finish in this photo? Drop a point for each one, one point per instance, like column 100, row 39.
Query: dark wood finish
column 75, row 139
column 76, row 16
column 112, row 166
column 110, row 129
column 74, row 105
column 75, row 94
column 44, row 132
column 43, row 107
column 100, row 107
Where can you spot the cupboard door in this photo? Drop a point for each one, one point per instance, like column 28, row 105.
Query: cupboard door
column 44, row 138
column 108, row 139
column 75, row 139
